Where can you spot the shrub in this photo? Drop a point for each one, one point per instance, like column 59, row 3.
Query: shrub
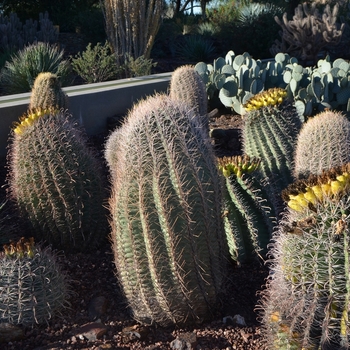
column 195, row 48
column 19, row 73
column 138, row 67
column 95, row 64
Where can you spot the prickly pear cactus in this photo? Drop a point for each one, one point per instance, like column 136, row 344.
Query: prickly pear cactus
column 166, row 206
column 248, row 217
column 270, row 130
column 32, row 286
column 47, row 93
column 56, row 181
column 323, row 143
column 306, row 304
column 188, row 86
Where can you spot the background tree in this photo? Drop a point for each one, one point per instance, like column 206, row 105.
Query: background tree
column 132, row 26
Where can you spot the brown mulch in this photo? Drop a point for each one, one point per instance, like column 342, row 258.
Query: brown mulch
column 93, row 278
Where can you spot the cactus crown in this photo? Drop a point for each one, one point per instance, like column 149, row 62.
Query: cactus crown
column 270, row 97
column 22, row 248
column 29, row 118
column 238, row 165
column 306, row 193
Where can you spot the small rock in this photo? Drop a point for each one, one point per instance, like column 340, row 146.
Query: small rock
column 184, row 341
column 97, row 307
column 136, row 332
column 10, row 332
column 92, row 331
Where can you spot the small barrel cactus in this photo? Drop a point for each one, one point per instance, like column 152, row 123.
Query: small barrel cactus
column 249, row 219
column 323, row 143
column 56, row 181
column 33, row 287
column 307, row 301
column 47, row 93
column 166, row 206
column 270, row 129
column 187, row 85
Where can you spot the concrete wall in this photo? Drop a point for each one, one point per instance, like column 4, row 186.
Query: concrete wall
column 91, row 104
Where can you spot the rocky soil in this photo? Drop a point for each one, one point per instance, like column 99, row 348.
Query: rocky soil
column 98, row 316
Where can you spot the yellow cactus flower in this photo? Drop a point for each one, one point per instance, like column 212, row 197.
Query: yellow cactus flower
column 266, row 98
column 275, row 316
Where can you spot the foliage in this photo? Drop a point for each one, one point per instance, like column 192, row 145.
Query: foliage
column 19, row 73
column 138, row 67
column 194, row 48
column 15, row 35
column 95, row 64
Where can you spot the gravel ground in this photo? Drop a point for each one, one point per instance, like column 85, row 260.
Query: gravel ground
column 98, row 317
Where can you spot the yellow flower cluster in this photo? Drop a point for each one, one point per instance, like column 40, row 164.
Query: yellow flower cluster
column 318, row 192
column 270, row 97
column 22, row 248
column 29, row 118
column 238, row 165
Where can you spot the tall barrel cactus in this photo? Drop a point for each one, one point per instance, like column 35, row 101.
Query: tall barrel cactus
column 33, row 287
column 270, row 129
column 167, row 232
column 56, row 181
column 47, row 92
column 188, row 86
column 248, row 216
column 306, row 304
column 323, row 143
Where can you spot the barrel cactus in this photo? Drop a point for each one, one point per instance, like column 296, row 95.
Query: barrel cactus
column 270, row 129
column 166, row 205
column 47, row 92
column 56, row 180
column 306, row 304
column 33, row 287
column 323, row 143
column 248, row 216
column 188, row 86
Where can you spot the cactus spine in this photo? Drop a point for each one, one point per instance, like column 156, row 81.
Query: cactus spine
column 32, row 286
column 306, row 305
column 249, row 219
column 167, row 231
column 323, row 143
column 47, row 93
column 188, row 86
column 270, row 129
column 56, row 181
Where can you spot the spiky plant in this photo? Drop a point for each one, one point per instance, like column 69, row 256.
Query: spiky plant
column 323, row 143
column 167, row 232
column 270, row 130
column 33, row 287
column 248, row 216
column 20, row 71
column 56, row 181
column 188, row 86
column 47, row 93
column 306, row 304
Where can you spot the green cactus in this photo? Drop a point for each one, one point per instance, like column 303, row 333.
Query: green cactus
column 186, row 85
column 249, row 218
column 168, row 237
column 306, row 303
column 56, row 181
column 270, row 129
column 323, row 143
column 47, row 93
column 32, row 286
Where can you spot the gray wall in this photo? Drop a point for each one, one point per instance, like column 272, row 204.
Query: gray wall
column 90, row 104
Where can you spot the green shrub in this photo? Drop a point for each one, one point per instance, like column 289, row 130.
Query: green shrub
column 95, row 64
column 138, row 67
column 195, row 48
column 19, row 73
